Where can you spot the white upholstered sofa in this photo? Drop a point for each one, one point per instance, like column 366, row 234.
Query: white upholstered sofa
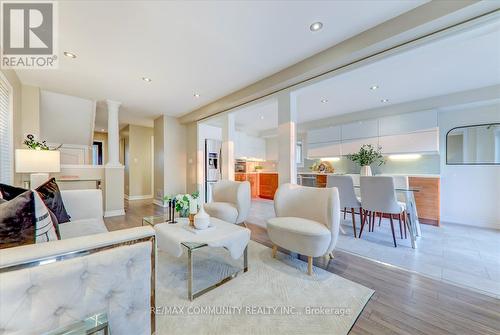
column 49, row 285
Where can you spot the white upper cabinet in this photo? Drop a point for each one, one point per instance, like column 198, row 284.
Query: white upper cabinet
column 408, row 123
column 320, row 150
column 360, row 129
column 416, row 142
column 352, row 146
column 329, row 134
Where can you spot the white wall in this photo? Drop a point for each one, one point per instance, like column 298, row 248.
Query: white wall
column 469, row 194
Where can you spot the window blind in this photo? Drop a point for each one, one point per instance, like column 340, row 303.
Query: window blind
column 6, row 149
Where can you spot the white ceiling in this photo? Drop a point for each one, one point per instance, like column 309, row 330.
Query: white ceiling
column 462, row 62
column 209, row 47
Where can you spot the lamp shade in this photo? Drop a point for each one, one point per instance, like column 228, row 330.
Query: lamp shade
column 34, row 161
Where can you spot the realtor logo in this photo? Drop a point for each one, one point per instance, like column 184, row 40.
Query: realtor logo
column 29, row 35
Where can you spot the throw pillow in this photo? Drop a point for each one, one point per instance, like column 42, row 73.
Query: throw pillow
column 45, row 228
column 51, row 196
column 17, row 218
column 10, row 192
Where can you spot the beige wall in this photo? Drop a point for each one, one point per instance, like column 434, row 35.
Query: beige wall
column 170, row 157
column 30, row 110
column 192, row 157
column 139, row 160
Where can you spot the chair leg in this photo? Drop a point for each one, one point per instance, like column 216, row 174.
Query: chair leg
column 345, row 211
column 379, row 218
column 400, row 226
column 363, row 222
column 275, row 250
column 353, row 222
column 372, row 218
column 309, row 265
column 393, row 235
column 404, row 222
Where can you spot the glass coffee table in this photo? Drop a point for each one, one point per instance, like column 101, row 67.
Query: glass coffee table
column 96, row 324
column 192, row 242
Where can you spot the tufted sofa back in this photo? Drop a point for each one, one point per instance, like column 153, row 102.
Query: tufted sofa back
column 50, row 285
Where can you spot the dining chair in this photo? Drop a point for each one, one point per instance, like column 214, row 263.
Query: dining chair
column 348, row 198
column 378, row 195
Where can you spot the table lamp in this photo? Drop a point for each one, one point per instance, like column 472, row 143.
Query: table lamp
column 38, row 163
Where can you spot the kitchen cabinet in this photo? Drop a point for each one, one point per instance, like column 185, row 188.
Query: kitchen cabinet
column 418, row 142
column 408, row 123
column 427, row 199
column 252, row 178
column 329, row 134
column 352, row 146
column 360, row 129
column 319, row 150
column 268, row 184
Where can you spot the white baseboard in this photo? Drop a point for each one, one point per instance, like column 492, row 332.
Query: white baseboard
column 138, row 197
column 116, row 212
column 160, row 203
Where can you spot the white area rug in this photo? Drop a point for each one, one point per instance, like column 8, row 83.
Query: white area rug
column 276, row 296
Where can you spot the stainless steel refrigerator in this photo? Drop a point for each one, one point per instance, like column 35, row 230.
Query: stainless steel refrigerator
column 212, row 166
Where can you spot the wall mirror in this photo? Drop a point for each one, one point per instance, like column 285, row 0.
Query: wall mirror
column 473, row 145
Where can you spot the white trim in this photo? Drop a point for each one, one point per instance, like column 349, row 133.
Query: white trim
column 116, row 212
column 138, row 197
column 10, row 89
column 81, row 166
column 160, row 203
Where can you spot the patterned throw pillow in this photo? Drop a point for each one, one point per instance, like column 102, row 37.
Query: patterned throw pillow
column 45, row 228
column 48, row 191
column 17, row 221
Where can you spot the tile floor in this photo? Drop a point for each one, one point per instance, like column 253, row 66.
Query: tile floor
column 463, row 255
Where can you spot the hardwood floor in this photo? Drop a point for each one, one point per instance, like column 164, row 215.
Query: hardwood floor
column 403, row 303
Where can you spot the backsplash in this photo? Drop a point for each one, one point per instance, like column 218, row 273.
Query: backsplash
column 427, row 164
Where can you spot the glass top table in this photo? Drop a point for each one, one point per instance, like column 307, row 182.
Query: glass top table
column 411, row 208
column 94, row 324
column 154, row 219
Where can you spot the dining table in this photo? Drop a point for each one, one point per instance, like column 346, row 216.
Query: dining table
column 413, row 223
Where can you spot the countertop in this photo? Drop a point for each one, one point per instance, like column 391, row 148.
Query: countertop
column 262, row 172
column 383, row 174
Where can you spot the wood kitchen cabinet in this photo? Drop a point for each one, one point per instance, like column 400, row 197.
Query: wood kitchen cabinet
column 252, row 178
column 268, row 184
column 427, row 199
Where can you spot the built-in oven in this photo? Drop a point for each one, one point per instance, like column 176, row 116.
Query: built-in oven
column 240, row 166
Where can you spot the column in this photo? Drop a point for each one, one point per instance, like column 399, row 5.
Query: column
column 114, row 174
column 228, row 136
column 113, row 133
column 287, row 138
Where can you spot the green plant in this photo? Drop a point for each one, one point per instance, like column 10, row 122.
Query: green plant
column 31, row 143
column 182, row 201
column 259, row 167
column 367, row 155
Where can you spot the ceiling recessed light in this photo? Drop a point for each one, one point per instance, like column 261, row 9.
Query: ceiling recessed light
column 262, row 117
column 196, row 95
column 69, row 54
column 324, row 101
column 384, row 100
column 374, row 87
column 146, row 79
column 316, row 26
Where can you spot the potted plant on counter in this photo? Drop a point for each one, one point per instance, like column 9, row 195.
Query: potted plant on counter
column 366, row 156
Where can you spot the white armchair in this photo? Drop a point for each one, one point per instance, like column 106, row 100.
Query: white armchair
column 231, row 201
column 307, row 221
column 50, row 285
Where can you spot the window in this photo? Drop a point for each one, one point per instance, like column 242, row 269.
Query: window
column 6, row 140
column 299, row 159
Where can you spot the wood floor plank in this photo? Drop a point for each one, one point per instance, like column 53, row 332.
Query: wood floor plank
column 403, row 303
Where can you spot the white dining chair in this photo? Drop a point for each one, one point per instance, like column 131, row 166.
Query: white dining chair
column 378, row 195
column 348, row 198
